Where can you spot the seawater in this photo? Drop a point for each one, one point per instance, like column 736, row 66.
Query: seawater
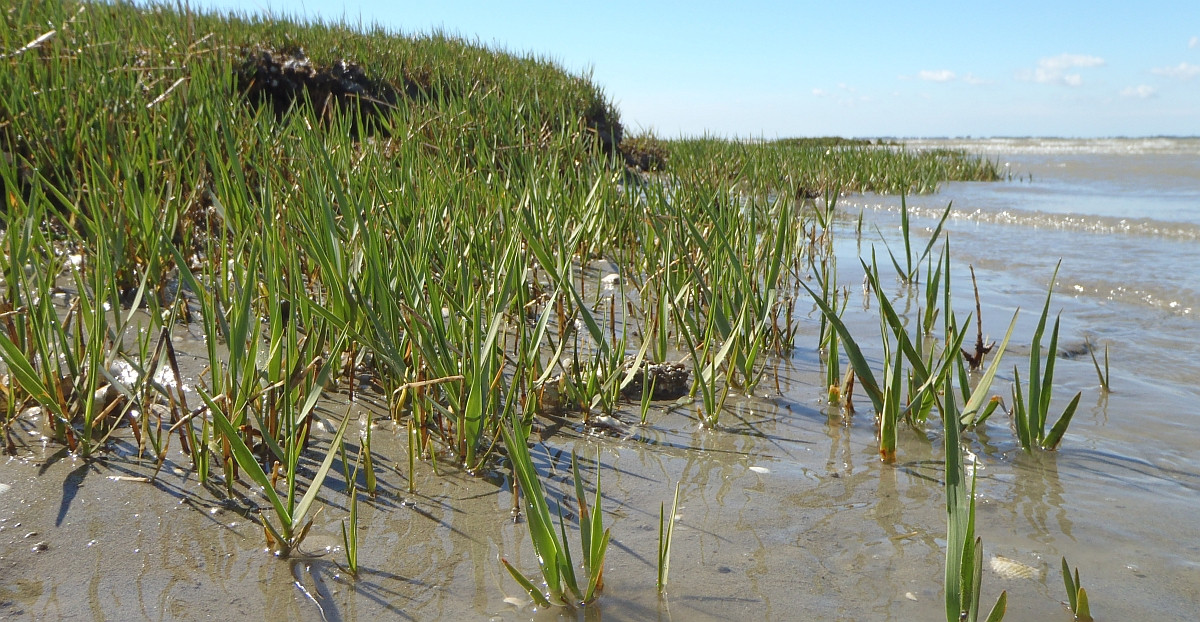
column 1123, row 213
column 1122, row 216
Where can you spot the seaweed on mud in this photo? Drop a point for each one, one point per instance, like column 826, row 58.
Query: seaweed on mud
column 669, row 381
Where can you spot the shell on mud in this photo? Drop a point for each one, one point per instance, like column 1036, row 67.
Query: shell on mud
column 1013, row 569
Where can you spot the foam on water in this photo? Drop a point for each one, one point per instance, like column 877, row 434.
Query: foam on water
column 1042, row 145
column 1122, row 213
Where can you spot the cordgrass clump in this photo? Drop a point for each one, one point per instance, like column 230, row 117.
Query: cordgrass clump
column 645, row 152
column 554, row 552
column 1031, row 411
column 1077, row 598
column 453, row 229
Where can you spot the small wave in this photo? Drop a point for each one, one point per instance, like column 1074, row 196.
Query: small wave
column 1162, row 298
column 1088, row 224
column 1161, row 254
column 1132, row 146
column 1106, row 225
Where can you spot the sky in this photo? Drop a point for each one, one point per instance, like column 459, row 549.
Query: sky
column 749, row 69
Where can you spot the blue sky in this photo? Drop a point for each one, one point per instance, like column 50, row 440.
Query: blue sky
column 768, row 69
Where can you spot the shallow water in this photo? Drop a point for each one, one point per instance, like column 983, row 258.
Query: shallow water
column 786, row 511
column 1120, row 497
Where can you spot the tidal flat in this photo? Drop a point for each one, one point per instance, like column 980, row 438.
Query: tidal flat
column 269, row 284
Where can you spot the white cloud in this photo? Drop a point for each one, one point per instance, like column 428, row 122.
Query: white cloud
column 1194, row 42
column 820, row 92
column 1182, row 71
column 1054, row 69
column 1141, row 91
column 939, row 75
column 971, row 78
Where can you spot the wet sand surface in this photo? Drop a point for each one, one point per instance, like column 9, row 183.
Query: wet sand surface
column 786, row 511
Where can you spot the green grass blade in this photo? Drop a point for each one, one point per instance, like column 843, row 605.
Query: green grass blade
column 20, row 367
column 473, row 416
column 1048, row 374
column 936, row 232
column 998, row 610
column 534, row 592
column 970, row 414
column 566, row 565
column 1102, row 375
column 866, row 377
column 585, row 517
column 666, row 531
column 890, row 416
column 976, row 573
column 314, row 487
column 895, row 262
column 1021, row 416
column 596, row 579
column 1060, row 428
column 596, row 544
column 1069, row 585
column 906, row 231
column 246, row 459
column 1036, row 413
column 541, row 527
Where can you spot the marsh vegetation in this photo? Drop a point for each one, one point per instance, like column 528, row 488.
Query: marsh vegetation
column 468, row 241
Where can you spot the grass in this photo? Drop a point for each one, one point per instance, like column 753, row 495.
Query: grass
column 350, row 531
column 434, row 241
column 1102, row 374
column 964, row 551
column 910, row 272
column 1077, row 598
column 552, row 548
column 666, row 533
column 289, row 528
column 1031, row 411
column 827, row 278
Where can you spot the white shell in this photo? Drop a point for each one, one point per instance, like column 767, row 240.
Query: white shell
column 1012, row 569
